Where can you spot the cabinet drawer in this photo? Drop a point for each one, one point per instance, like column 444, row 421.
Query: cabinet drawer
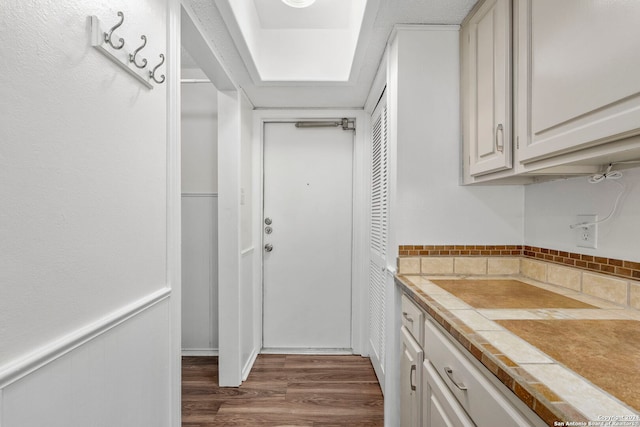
column 412, row 318
column 483, row 402
column 439, row 407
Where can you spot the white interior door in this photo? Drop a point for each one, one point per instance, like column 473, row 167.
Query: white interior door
column 307, row 274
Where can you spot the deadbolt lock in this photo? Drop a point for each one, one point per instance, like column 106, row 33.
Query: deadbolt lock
column 268, row 221
column 268, row 230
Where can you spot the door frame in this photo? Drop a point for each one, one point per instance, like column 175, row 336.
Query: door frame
column 360, row 213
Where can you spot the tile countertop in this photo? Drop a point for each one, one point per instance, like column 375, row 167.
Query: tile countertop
column 558, row 384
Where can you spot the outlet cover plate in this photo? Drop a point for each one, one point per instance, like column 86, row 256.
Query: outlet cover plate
column 587, row 237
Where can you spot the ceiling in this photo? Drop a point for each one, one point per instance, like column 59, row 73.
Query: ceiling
column 285, row 44
column 310, row 89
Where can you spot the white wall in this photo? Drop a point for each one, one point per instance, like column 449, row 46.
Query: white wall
column 430, row 205
column 83, row 222
column 199, row 274
column 199, row 120
column 551, row 207
column 199, row 140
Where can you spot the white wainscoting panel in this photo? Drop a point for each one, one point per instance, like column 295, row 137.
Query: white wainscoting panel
column 199, row 273
column 118, row 378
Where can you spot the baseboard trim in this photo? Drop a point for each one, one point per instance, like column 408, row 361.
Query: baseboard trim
column 14, row 371
column 190, row 352
column 199, row 195
column 247, row 367
column 310, row 351
column 377, row 366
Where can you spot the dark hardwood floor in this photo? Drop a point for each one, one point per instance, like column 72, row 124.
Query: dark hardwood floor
column 284, row 390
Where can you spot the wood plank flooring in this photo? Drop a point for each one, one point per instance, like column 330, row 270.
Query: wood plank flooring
column 284, row 390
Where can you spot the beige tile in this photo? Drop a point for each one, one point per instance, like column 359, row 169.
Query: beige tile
column 450, row 302
column 470, row 265
column 514, row 347
column 409, row 265
column 534, row 269
column 503, row 265
column 634, row 297
column 604, row 314
column 586, row 398
column 510, row 314
column 563, row 276
column 614, row 290
column 476, row 321
column 437, row 265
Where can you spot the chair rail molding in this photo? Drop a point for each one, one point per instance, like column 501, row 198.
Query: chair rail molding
column 23, row 366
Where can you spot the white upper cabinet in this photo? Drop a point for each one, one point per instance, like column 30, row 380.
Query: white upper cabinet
column 486, row 88
column 578, row 75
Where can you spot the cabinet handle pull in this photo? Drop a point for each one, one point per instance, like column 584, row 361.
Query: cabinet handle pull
column 411, row 372
column 406, row 316
column 500, row 129
column 449, row 372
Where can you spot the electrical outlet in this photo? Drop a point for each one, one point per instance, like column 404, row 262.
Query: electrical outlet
column 587, row 237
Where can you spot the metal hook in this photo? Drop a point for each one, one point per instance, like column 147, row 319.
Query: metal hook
column 152, row 73
column 107, row 36
column 132, row 56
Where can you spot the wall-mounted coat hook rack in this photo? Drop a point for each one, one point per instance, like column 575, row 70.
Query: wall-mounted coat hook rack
column 103, row 41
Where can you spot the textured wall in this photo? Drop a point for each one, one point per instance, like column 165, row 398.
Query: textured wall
column 82, row 170
column 83, row 219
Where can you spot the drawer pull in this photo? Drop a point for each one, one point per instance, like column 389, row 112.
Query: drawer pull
column 449, row 372
column 406, row 316
column 411, row 372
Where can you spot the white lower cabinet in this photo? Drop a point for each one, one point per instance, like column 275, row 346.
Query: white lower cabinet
column 410, row 380
column 442, row 386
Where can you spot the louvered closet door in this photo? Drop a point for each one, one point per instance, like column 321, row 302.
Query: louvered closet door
column 378, row 236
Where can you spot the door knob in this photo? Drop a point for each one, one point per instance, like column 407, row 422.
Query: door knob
column 268, row 247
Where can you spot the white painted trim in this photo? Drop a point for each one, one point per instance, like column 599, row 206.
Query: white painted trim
column 309, row 351
column 174, row 206
column 377, row 365
column 247, row 251
column 1, row 409
column 359, row 335
column 377, row 86
column 20, row 368
column 246, row 370
column 199, row 194
column 229, row 158
column 420, row 27
column 199, row 352
column 204, row 52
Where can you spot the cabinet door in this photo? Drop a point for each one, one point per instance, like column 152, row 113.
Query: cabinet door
column 439, row 406
column 410, row 380
column 486, row 85
column 578, row 68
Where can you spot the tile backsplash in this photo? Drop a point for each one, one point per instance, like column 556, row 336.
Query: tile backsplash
column 609, row 266
column 623, row 290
